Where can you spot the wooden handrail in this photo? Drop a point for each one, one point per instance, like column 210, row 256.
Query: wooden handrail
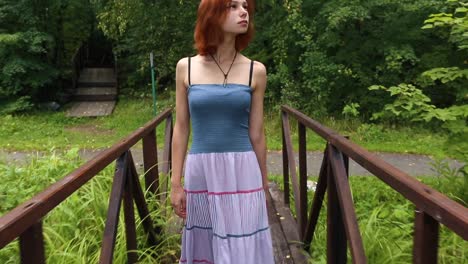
column 433, row 207
column 24, row 220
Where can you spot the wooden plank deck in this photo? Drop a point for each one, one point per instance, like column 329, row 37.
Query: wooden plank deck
column 286, row 241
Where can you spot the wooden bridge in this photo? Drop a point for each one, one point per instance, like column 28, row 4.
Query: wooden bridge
column 292, row 236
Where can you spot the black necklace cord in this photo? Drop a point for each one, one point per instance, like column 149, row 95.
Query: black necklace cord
column 225, row 74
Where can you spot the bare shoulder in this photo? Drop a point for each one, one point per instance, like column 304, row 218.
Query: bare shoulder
column 181, row 71
column 259, row 69
column 182, row 64
column 259, row 76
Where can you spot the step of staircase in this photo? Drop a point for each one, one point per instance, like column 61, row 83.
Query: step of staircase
column 95, row 94
column 91, row 109
column 97, row 77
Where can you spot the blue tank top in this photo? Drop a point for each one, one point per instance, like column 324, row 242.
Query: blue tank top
column 220, row 117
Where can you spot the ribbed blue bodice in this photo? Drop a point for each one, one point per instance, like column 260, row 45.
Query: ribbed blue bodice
column 220, row 117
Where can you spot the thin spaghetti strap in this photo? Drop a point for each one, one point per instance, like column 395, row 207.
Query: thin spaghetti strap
column 251, row 70
column 189, row 82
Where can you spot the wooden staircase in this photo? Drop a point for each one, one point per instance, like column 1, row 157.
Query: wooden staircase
column 95, row 94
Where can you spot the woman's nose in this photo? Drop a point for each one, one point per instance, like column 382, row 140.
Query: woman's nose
column 243, row 12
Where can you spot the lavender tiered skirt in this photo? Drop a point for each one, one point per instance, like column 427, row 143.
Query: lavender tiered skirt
column 227, row 220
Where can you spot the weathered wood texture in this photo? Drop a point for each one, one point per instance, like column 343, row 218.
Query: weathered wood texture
column 289, row 229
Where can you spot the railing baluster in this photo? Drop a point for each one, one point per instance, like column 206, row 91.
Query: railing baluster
column 336, row 235
column 285, row 161
column 130, row 229
column 302, row 177
column 150, row 161
column 345, row 204
column 112, row 221
column 426, row 238
column 346, row 160
column 32, row 245
column 142, row 207
column 166, row 157
column 292, row 171
column 317, row 201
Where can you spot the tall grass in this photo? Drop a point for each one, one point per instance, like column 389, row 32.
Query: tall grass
column 73, row 230
column 386, row 222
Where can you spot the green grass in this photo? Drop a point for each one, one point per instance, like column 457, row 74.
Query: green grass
column 42, row 130
column 73, row 231
column 386, row 221
column 373, row 137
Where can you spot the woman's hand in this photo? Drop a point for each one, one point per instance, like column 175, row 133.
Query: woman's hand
column 178, row 201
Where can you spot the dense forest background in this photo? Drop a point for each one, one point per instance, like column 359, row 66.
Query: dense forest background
column 398, row 62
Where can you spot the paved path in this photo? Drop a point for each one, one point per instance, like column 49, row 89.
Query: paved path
column 414, row 165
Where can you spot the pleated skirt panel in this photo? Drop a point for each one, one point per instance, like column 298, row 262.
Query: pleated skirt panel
column 227, row 218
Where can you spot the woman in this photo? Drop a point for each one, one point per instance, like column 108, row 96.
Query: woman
column 220, row 91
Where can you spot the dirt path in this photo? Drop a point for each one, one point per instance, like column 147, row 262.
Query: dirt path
column 414, row 165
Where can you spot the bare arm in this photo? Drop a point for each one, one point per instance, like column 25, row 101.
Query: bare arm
column 180, row 139
column 256, row 130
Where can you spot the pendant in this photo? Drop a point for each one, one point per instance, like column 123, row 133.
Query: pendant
column 225, row 82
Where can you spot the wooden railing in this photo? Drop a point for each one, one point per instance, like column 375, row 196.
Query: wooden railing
column 25, row 221
column 432, row 207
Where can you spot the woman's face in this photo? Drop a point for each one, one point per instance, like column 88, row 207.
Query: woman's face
column 237, row 20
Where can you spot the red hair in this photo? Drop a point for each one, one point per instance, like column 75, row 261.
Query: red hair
column 208, row 29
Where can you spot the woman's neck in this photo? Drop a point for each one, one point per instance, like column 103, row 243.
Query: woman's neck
column 226, row 50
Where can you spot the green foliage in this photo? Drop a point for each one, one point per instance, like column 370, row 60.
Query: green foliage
column 457, row 22
column 37, row 42
column 410, row 104
column 22, row 71
column 139, row 27
column 351, row 110
column 13, row 105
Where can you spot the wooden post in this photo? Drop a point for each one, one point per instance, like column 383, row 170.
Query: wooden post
column 112, row 221
column 302, row 178
column 142, row 207
column 129, row 213
column 150, row 160
column 336, row 234
column 32, row 245
column 166, row 163
column 317, row 201
column 426, row 238
column 285, row 163
column 346, row 160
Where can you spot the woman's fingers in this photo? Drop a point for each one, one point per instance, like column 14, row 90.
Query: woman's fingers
column 179, row 207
